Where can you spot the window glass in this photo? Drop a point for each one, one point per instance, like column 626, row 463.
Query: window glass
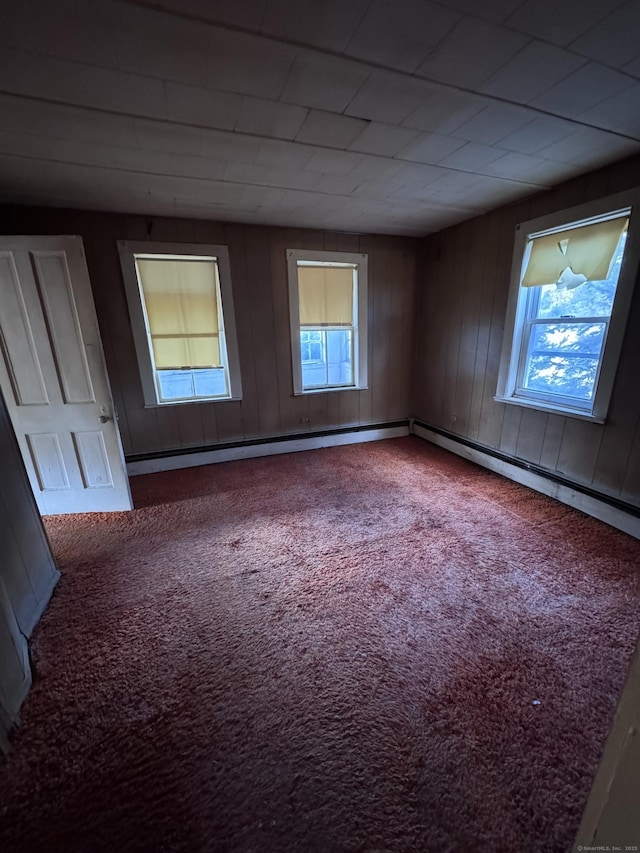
column 562, row 355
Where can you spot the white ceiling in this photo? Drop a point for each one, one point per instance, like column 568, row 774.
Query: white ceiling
column 393, row 116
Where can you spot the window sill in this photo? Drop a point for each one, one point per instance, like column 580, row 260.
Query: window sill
column 542, row 406
column 330, row 390
column 191, row 402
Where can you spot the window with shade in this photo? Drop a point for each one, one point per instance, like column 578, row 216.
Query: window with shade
column 328, row 306
column 181, row 308
column 567, row 312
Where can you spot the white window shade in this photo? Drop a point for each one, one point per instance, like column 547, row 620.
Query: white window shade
column 181, row 302
column 588, row 250
column 325, row 295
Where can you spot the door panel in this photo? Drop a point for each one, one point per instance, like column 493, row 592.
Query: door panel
column 19, row 350
column 54, row 379
column 63, row 325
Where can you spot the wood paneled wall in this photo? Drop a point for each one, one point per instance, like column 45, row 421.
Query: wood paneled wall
column 260, row 289
column 463, row 284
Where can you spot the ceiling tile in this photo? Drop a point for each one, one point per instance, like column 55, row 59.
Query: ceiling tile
column 494, row 122
column 560, row 23
column 470, row 53
column 371, row 167
column 472, row 156
column 590, row 147
column 583, row 89
column 430, row 148
column 205, row 107
column 283, row 154
column 295, row 178
column 383, row 139
column 329, row 129
column 67, row 29
column 416, row 174
column 333, row 162
column 229, row 146
column 633, row 67
column 491, row 10
column 541, row 172
column 619, row 111
column 388, row 97
column 164, row 136
column 256, row 197
column 515, row 165
column 270, row 118
column 323, row 82
column 444, row 110
column 631, row 127
column 451, row 188
column 329, row 24
column 161, row 45
column 246, row 14
column 489, row 192
column 60, row 80
column 615, row 40
column 342, row 185
column 400, row 33
column 67, row 122
column 515, row 80
column 376, row 189
column 539, row 133
column 247, row 64
column 6, row 39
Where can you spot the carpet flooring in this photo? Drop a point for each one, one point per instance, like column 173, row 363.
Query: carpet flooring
column 369, row 648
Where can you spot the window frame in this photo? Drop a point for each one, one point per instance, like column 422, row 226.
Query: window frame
column 360, row 326
column 518, row 309
column 226, row 318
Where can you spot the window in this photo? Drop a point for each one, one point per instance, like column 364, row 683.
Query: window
column 328, row 305
column 181, row 310
column 571, row 287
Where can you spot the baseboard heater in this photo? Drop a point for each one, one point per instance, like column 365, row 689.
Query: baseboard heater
column 149, row 463
column 611, row 510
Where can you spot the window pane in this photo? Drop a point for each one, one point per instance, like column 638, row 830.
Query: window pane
column 563, row 358
column 591, row 299
column 327, row 357
column 312, row 344
column 175, row 384
column 210, row 383
column 192, row 384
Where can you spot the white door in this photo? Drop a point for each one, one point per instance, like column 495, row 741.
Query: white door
column 54, row 379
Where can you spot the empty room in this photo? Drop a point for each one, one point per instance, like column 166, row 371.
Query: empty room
column 319, row 426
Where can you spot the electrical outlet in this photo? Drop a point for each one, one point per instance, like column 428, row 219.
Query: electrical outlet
column 305, row 420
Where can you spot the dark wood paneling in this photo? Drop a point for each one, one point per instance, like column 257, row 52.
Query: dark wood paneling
column 463, row 284
column 261, row 298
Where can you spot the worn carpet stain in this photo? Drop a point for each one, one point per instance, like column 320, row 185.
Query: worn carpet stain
column 337, row 650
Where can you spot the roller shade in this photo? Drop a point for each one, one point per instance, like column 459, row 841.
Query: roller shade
column 182, row 311
column 326, row 296
column 588, row 250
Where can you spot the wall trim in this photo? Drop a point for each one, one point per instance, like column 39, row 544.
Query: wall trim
column 270, row 446
column 617, row 513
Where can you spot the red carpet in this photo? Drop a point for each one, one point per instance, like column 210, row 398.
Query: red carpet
column 328, row 651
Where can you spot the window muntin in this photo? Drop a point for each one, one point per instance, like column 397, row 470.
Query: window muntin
column 181, row 308
column 568, row 308
column 328, row 320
